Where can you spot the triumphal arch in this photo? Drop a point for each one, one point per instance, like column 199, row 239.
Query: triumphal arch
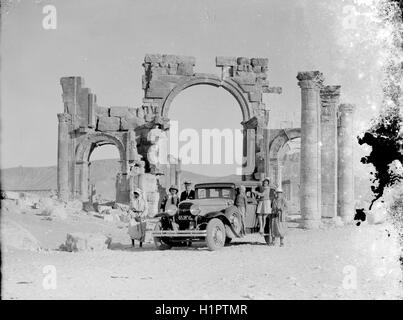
column 85, row 125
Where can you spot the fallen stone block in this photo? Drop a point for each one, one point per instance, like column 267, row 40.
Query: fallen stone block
column 11, row 195
column 15, row 236
column 75, row 205
column 122, row 207
column 80, row 241
column 103, row 209
column 118, row 111
column 108, row 124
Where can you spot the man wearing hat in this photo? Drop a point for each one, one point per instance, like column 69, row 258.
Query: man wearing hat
column 278, row 224
column 188, row 194
column 171, row 198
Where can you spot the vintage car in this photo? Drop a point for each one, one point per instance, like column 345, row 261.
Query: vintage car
column 211, row 217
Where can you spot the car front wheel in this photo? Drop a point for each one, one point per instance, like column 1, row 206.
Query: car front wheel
column 159, row 243
column 215, row 237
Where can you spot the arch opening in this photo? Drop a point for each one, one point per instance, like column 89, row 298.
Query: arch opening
column 104, row 165
column 210, row 137
column 94, row 153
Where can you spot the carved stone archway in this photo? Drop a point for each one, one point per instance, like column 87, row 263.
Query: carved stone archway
column 279, row 138
column 230, row 86
column 85, row 146
column 244, row 78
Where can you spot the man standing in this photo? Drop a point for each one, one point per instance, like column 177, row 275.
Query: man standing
column 279, row 221
column 188, row 194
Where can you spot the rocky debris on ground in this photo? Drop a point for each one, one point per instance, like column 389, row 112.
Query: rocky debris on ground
column 15, row 236
column 80, row 241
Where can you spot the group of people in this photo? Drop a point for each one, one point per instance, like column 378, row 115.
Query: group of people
column 138, row 209
column 271, row 210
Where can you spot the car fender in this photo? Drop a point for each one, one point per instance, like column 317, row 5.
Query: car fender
column 223, row 217
column 162, row 214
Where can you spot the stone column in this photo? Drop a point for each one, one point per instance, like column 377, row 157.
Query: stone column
column 280, row 176
column 329, row 96
column 310, row 192
column 63, row 156
column 345, row 163
column 84, row 176
column 249, row 148
column 178, row 175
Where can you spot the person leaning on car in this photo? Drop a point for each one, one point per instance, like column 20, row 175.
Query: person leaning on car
column 188, row 194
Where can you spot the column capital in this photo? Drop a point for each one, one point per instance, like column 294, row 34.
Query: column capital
column 310, row 79
column 330, row 95
column 252, row 123
column 330, row 92
column 346, row 108
column 64, row 117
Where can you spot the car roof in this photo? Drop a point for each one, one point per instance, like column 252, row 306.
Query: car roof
column 227, row 184
column 215, row 185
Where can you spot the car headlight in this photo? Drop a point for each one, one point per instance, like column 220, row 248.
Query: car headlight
column 195, row 210
column 171, row 210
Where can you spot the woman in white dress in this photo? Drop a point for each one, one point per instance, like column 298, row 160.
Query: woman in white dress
column 137, row 223
column 264, row 204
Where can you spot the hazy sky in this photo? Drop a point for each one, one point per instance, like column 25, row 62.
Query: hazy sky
column 105, row 42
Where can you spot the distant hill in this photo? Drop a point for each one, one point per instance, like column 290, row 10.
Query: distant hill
column 102, row 174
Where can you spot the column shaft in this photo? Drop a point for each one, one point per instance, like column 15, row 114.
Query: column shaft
column 63, row 156
column 345, row 164
column 329, row 100
column 310, row 184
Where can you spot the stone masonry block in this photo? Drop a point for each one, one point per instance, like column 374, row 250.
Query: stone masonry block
column 257, row 69
column 129, row 123
column 245, row 78
column 225, row 61
column 172, row 68
column 118, row 111
column 185, row 69
column 153, row 58
column 158, row 89
column 248, row 87
column 243, row 60
column 255, row 96
column 169, row 58
column 101, row 111
column 108, row 124
column 262, row 62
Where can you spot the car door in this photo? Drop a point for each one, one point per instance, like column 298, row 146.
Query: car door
column 250, row 219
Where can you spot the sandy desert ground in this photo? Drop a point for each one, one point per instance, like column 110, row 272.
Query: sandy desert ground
column 352, row 262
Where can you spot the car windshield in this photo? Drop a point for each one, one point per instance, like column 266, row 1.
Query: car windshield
column 204, row 193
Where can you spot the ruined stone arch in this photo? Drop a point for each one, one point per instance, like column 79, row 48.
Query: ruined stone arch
column 213, row 80
column 85, row 146
column 95, row 139
column 279, row 138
